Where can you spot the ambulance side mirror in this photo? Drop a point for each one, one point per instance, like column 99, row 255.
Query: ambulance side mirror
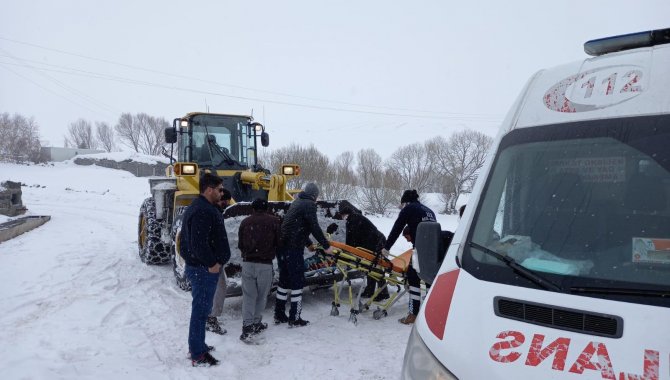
column 431, row 246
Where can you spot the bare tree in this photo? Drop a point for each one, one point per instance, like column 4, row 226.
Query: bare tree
column 460, row 158
column 155, row 136
column 341, row 178
column 314, row 165
column 128, row 133
column 80, row 135
column 142, row 132
column 378, row 187
column 105, row 135
column 19, row 138
column 412, row 167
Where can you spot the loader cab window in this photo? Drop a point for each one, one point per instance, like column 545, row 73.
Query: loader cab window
column 217, row 141
column 582, row 204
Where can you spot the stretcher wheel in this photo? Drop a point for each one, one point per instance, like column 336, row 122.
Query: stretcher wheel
column 334, row 311
column 378, row 314
column 353, row 318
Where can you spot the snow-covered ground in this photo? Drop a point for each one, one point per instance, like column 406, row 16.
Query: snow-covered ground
column 76, row 302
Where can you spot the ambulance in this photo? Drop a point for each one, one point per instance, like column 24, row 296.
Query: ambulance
column 560, row 267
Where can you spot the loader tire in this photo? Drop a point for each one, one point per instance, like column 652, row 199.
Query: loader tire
column 152, row 249
column 178, row 264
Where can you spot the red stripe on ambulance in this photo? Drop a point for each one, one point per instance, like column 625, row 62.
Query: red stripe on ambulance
column 437, row 307
column 594, row 357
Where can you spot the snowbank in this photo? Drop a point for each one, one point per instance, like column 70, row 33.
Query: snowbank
column 125, row 156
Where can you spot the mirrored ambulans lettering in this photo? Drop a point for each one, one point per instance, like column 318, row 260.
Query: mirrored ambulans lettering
column 594, row 357
column 595, row 89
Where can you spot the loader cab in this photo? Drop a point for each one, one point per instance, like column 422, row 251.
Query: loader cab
column 216, row 141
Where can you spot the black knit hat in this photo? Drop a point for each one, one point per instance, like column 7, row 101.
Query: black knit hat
column 226, row 195
column 346, row 210
column 409, row 196
column 259, row 204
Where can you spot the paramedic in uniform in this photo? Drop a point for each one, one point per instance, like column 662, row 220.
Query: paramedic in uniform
column 411, row 214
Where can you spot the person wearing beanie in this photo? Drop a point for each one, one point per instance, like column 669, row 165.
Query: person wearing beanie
column 299, row 222
column 258, row 242
column 411, row 214
column 361, row 232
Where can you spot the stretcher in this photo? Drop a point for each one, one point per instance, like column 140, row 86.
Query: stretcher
column 391, row 270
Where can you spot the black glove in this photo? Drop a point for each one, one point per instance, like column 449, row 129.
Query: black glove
column 332, row 228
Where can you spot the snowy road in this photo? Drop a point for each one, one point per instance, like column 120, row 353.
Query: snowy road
column 76, row 302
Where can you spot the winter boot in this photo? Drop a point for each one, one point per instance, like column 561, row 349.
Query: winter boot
column 205, row 360
column 408, row 319
column 280, row 318
column 259, row 327
column 297, row 322
column 369, row 289
column 383, row 295
column 213, row 326
column 209, row 349
column 248, row 332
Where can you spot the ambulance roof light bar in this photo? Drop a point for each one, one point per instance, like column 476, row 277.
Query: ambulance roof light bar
column 627, row 41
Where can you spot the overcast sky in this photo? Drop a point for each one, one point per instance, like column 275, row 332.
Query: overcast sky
column 343, row 75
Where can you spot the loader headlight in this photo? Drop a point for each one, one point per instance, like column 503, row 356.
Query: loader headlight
column 188, row 169
column 292, row 170
column 184, row 124
column 420, row 363
column 185, row 169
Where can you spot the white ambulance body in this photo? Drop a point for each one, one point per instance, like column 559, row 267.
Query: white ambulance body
column 560, row 267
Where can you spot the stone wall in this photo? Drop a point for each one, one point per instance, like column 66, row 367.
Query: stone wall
column 138, row 169
column 10, row 199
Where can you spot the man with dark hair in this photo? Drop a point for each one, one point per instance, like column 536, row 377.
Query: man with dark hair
column 299, row 222
column 411, row 214
column 258, row 241
column 361, row 232
column 204, row 248
column 213, row 324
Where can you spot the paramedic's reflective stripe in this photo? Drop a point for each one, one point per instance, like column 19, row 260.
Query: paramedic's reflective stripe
column 296, row 295
column 281, row 294
column 415, row 293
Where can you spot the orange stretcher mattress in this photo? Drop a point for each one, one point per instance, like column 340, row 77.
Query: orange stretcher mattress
column 397, row 264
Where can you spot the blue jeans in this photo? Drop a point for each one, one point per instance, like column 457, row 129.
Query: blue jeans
column 203, row 286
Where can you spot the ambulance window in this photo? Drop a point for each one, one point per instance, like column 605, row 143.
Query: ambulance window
column 587, row 204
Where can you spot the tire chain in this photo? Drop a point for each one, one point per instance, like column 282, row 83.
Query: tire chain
column 155, row 251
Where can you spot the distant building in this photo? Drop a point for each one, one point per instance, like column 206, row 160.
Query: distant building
column 50, row 153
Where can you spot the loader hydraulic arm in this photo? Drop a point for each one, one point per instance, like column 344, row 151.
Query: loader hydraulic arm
column 275, row 184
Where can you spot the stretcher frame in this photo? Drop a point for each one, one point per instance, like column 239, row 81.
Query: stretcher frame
column 392, row 271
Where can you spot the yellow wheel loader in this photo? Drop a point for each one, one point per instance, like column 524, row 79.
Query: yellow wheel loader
column 224, row 145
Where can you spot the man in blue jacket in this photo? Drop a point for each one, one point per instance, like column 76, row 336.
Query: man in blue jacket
column 204, row 247
column 411, row 214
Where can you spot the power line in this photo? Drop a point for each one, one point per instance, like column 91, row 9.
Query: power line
column 202, row 92
column 47, row 89
column 62, row 85
column 134, row 67
column 91, row 74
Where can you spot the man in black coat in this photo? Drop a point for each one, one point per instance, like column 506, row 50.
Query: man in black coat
column 204, row 247
column 411, row 214
column 361, row 232
column 299, row 222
